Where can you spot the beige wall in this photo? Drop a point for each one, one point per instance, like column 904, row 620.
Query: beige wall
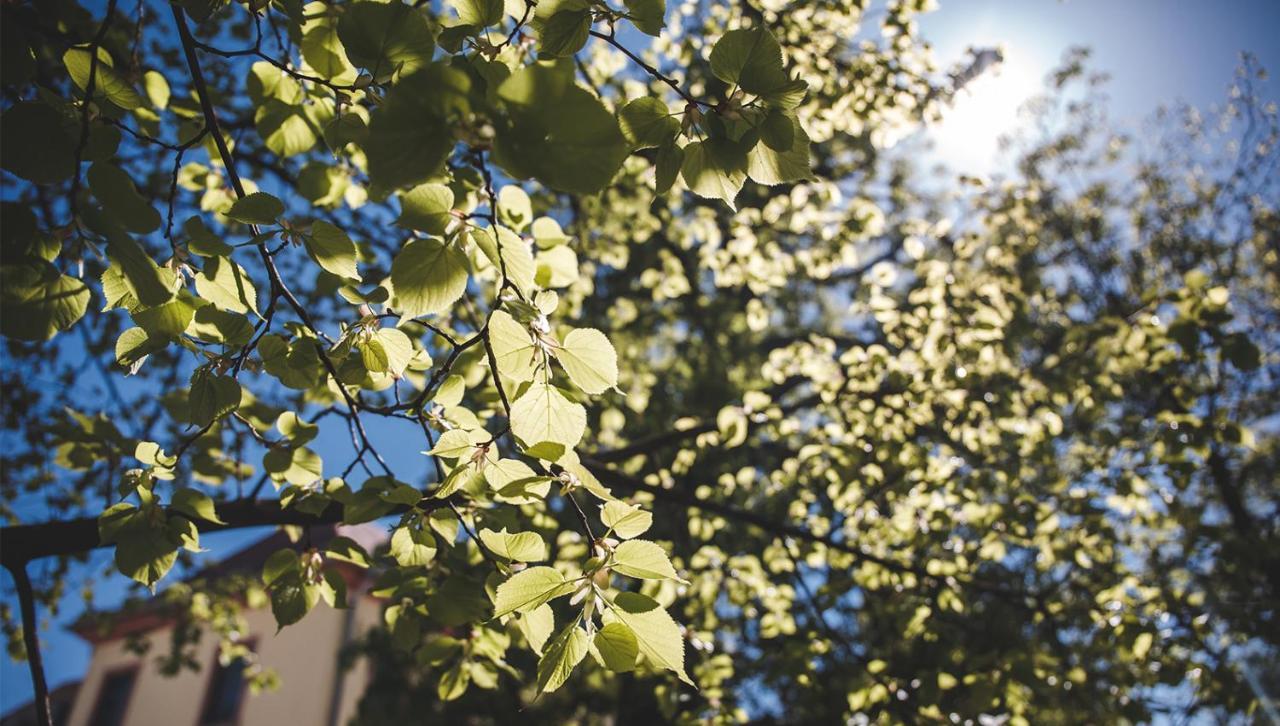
column 305, row 655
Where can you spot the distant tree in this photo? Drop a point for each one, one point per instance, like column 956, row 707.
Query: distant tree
column 711, row 388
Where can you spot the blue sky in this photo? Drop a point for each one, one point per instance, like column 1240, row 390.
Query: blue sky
column 1156, row 51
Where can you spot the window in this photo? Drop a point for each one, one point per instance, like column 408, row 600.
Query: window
column 226, row 692
column 113, row 698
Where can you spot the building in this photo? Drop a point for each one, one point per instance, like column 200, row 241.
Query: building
column 123, row 688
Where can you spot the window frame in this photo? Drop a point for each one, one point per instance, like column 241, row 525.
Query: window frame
column 207, row 700
column 132, row 670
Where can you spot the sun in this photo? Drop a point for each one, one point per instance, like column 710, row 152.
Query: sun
column 966, row 138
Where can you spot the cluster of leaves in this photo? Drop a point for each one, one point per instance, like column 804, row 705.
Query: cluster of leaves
column 879, row 459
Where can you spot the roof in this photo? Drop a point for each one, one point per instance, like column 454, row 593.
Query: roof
column 140, row 616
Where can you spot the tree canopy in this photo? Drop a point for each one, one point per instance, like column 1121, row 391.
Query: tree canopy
column 725, row 410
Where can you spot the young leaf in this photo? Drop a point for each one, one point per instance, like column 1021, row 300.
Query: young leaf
column 657, row 635
column 256, row 208
column 713, row 169
column 332, row 249
column 562, row 655
column 625, row 520
column 528, row 589
column 120, row 198
column 513, row 347
column 537, row 626
column 212, row 397
column 107, row 82
column 751, row 59
column 412, row 547
column 516, row 546
column 589, row 359
column 386, row 37
column 428, row 277
column 643, row 559
column 516, row 257
column 195, row 504
column 226, row 284
column 544, row 414
column 426, row 208
column 647, row 122
column 767, row 165
column 617, row 646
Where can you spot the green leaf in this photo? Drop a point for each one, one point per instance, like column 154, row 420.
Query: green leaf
column 537, row 626
column 454, row 444
column 256, row 208
column 752, row 59
column 515, row 209
column 648, row 15
column 778, row 131
column 212, row 397
column 332, row 249
column 517, row 258
column 544, row 414
column 563, row 26
column 714, row 169
column 767, row 165
column 278, row 564
column 529, row 589
column 157, row 89
column 667, row 166
column 562, row 655
column 643, row 559
column 146, row 281
column 134, row 345
column 412, row 547
column 625, row 520
column 288, row 129
column 560, row 134
column 165, row 321
column 120, row 198
column 195, row 504
column 146, row 554
column 409, row 135
column 513, row 347
column 617, row 646
column 202, row 241
column 35, row 146
column 36, row 301
column 226, row 284
column 322, row 46
column 589, row 359
column 515, row 483
column 107, row 83
column 428, row 276
column 401, row 494
column 292, row 598
column 386, row 37
column 657, row 635
column 397, row 351
column 557, row 267
column 345, row 549
column 647, row 122
column 300, row 466
column 478, row 13
column 296, row 430
column 427, row 208
column 517, row 547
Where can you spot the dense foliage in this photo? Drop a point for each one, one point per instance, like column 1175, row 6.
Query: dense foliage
column 709, row 388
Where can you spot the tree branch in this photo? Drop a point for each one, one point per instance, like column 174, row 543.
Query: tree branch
column 31, row 639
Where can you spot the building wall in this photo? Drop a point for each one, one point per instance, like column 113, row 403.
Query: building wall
column 304, row 655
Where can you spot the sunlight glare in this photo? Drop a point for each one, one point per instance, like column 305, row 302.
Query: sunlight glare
column 967, row 137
